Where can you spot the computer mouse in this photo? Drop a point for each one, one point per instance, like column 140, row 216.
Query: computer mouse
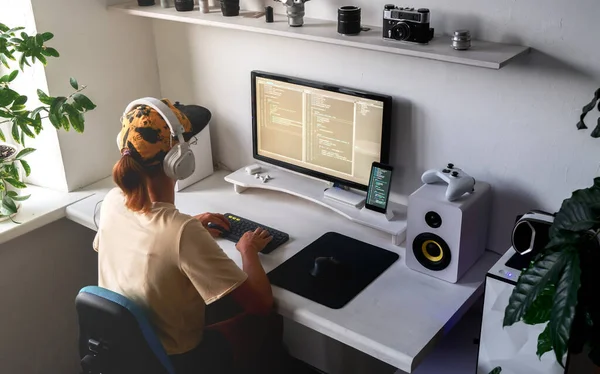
column 329, row 268
column 217, row 227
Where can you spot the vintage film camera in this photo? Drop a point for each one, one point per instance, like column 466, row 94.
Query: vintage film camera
column 406, row 24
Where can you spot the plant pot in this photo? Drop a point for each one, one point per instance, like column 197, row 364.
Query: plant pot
column 8, row 152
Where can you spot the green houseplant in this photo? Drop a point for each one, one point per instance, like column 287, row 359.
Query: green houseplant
column 561, row 286
column 64, row 112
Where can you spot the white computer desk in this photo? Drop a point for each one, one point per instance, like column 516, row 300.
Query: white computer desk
column 397, row 319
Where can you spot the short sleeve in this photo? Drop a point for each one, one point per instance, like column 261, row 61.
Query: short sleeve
column 209, row 269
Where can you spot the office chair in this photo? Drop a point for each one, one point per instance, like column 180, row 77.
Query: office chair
column 115, row 337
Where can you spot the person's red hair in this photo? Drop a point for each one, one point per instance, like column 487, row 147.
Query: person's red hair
column 132, row 177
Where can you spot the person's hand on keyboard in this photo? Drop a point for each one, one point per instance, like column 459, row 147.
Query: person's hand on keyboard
column 214, row 219
column 254, row 241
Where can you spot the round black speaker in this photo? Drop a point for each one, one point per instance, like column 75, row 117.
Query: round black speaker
column 431, row 251
column 433, row 219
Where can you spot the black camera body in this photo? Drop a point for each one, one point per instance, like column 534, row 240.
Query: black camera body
column 406, row 24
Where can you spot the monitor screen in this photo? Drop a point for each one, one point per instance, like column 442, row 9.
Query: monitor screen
column 332, row 133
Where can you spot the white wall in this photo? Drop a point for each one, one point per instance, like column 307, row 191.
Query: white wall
column 46, row 162
column 514, row 128
column 40, row 275
column 114, row 56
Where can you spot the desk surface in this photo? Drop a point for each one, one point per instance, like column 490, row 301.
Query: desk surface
column 397, row 319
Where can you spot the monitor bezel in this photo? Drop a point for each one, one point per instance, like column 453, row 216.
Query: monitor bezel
column 385, row 132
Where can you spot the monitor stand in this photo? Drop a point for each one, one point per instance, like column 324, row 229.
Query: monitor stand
column 393, row 222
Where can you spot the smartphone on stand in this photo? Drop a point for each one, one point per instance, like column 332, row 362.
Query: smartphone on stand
column 378, row 192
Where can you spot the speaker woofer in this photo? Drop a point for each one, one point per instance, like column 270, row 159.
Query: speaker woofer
column 431, row 251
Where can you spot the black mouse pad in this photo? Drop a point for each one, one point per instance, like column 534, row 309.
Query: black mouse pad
column 354, row 266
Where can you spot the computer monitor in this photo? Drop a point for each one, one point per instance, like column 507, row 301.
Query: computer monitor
column 325, row 131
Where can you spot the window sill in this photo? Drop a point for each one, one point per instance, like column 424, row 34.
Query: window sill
column 43, row 207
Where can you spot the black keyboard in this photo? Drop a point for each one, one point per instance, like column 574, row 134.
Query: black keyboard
column 241, row 225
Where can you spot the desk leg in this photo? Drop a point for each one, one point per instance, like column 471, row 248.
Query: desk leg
column 239, row 189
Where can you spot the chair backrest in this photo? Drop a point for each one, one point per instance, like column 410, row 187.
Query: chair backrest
column 115, row 337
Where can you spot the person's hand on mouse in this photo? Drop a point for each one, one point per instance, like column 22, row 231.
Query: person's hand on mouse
column 253, row 241
column 216, row 219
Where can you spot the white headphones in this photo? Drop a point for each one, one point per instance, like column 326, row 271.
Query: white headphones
column 179, row 163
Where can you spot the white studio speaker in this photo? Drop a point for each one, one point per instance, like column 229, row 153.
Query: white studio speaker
column 204, row 161
column 445, row 238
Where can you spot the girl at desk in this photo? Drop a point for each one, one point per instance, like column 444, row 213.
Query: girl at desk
column 169, row 263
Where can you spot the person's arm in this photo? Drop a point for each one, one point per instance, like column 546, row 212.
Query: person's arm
column 216, row 276
column 255, row 294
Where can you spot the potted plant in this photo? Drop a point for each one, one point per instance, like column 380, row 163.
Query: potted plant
column 22, row 49
column 561, row 287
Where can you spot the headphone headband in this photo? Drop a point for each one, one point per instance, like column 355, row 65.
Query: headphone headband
column 165, row 112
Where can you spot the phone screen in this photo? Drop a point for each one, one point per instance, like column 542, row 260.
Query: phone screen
column 379, row 187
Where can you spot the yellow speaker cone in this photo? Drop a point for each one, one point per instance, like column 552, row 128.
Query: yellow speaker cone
column 428, row 255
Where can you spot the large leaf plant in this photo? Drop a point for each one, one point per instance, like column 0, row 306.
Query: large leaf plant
column 19, row 50
column 561, row 286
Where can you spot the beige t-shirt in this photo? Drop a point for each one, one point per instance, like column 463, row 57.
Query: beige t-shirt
column 166, row 262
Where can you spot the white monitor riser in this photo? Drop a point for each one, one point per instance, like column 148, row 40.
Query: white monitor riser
column 312, row 189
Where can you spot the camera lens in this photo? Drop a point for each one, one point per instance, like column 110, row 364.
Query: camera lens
column 349, row 20
column 401, row 31
column 433, row 219
column 230, row 8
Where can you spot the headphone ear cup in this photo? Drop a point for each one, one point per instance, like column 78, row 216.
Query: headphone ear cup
column 179, row 163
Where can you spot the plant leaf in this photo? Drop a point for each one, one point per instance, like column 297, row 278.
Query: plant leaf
column 590, row 105
column 3, row 27
column 13, row 75
column 7, row 96
column 83, row 101
column 563, row 308
column 21, row 197
column 565, row 237
column 42, row 59
column 15, row 183
column 75, row 117
column 8, row 205
column 45, row 99
column 579, row 212
column 55, row 111
column 50, row 52
column 544, row 345
column 47, row 36
column 12, row 170
column 539, row 311
column 2, row 137
column 531, row 283
column 26, row 167
column 15, row 133
column 20, row 100
column 64, row 121
column 596, row 132
column 497, row 370
column 74, row 83
column 24, row 152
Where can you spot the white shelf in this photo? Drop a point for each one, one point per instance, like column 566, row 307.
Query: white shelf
column 482, row 54
column 313, row 190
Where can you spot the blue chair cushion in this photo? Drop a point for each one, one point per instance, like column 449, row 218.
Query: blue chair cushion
column 145, row 326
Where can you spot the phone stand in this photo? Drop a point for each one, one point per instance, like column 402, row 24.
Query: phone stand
column 389, row 213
